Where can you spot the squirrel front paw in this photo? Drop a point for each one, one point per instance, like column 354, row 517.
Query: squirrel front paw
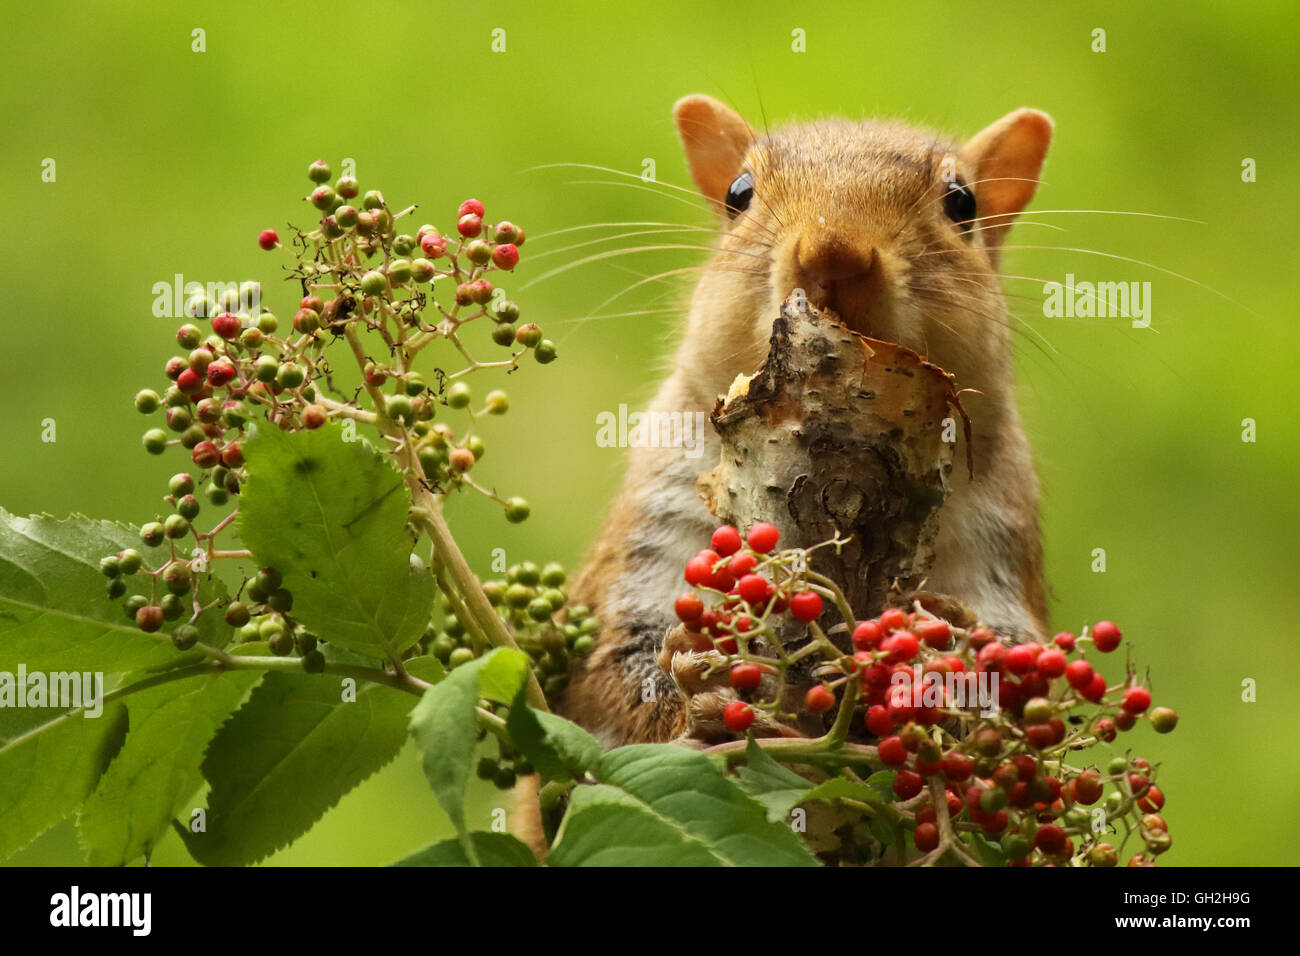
column 702, row 676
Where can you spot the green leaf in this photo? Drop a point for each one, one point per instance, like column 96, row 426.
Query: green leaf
column 157, row 771
column 492, row 849
column 663, row 805
column 987, row 852
column 882, row 781
column 446, row 730
column 54, row 613
column 290, row 754
column 837, row 787
column 559, row 749
column 49, row 766
column 331, row 515
column 777, row 787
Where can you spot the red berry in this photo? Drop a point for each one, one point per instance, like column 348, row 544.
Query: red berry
column 189, row 381
column 806, row 606
column 699, row 569
column 268, row 239
column 1050, row 839
column 902, row 646
column 1137, row 700
column 726, row 541
column 232, row 456
column 763, row 537
column 220, row 373
column 738, row 716
column 867, row 636
column 205, row 455
column 741, row 564
column 470, row 207
column 879, row 722
column 982, row 636
column 688, row 607
column 1105, row 636
column 1040, row 736
column 819, row 699
column 1064, row 640
column 226, row 325
column 991, row 656
column 469, row 225
column 893, row 619
column 505, row 256
column 891, row 751
column 752, row 588
column 1022, row 658
column 1105, row 729
column 926, row 837
column 746, row 676
column 907, row 784
column 1079, row 674
column 934, row 633
column 433, row 245
column 149, row 618
column 1153, row 801
column 1095, row 690
column 1051, row 663
column 1088, row 787
column 958, row 766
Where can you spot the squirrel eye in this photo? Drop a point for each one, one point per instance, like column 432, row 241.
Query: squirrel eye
column 959, row 204
column 739, row 195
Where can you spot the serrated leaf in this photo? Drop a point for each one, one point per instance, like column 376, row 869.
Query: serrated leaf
column 54, row 613
column 842, row 787
column 559, row 749
column 882, row 781
column 331, row 515
column 157, row 770
column 50, row 767
column 492, row 849
column 445, row 729
column 663, row 805
column 290, row 754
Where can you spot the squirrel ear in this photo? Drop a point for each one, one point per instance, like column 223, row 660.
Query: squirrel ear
column 715, row 139
column 1007, row 158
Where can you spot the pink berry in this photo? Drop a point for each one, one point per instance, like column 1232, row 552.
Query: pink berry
column 470, row 207
column 268, row 240
column 505, row 256
column 469, row 225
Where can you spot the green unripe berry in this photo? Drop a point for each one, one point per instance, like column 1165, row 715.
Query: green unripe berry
column 172, row 606
column 528, row 574
column 237, row 614
column 189, row 336
column 346, row 216
column 400, row 408
column 185, row 636
column 269, row 626
column 414, row 384
column 175, row 526
column 268, row 580
column 110, row 567
column 146, row 401
column 313, row 662
column 281, row 644
column 373, row 199
column 517, row 510
column 133, row 604
column 154, row 441
column 247, row 634
column 267, row 323
column 505, row 778
column 289, row 376
column 584, row 645
column 518, row 596
column 479, row 252
column 589, row 625
column 399, row 271
column 1117, row 765
column 555, row 598
column 553, row 575
column 459, row 395
column 188, row 507
column 374, row 283
column 1164, row 719
column 177, row 579
column 503, row 335
column 442, row 647
column 319, row 171
column 324, row 198
column 216, row 496
column 265, row 368
column 305, row 641
column 508, row 311
column 461, row 655
column 130, row 561
column 152, row 534
column 579, row 613
column 251, row 338
column 281, row 600
column 422, row 270
column 528, row 335
column 495, row 592
column 1015, row 845
column 180, row 484
column 539, row 609
column 545, row 352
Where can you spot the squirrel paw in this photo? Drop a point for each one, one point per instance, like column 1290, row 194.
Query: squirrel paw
column 702, row 676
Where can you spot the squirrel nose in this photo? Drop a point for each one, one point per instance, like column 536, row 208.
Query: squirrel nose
column 830, row 267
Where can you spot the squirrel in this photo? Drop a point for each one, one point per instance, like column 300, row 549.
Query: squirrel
column 895, row 230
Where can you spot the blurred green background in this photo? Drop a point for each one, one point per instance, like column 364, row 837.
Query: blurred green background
column 171, row 161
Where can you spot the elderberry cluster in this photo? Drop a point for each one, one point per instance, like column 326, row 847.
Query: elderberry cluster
column 994, row 728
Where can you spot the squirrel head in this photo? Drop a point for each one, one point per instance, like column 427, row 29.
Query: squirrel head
column 895, row 229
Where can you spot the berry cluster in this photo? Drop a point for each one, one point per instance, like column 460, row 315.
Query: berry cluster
column 979, row 734
column 366, row 281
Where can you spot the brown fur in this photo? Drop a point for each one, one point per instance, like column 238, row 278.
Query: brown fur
column 852, row 213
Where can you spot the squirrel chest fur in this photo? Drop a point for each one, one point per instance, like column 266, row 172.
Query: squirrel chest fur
column 895, row 230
